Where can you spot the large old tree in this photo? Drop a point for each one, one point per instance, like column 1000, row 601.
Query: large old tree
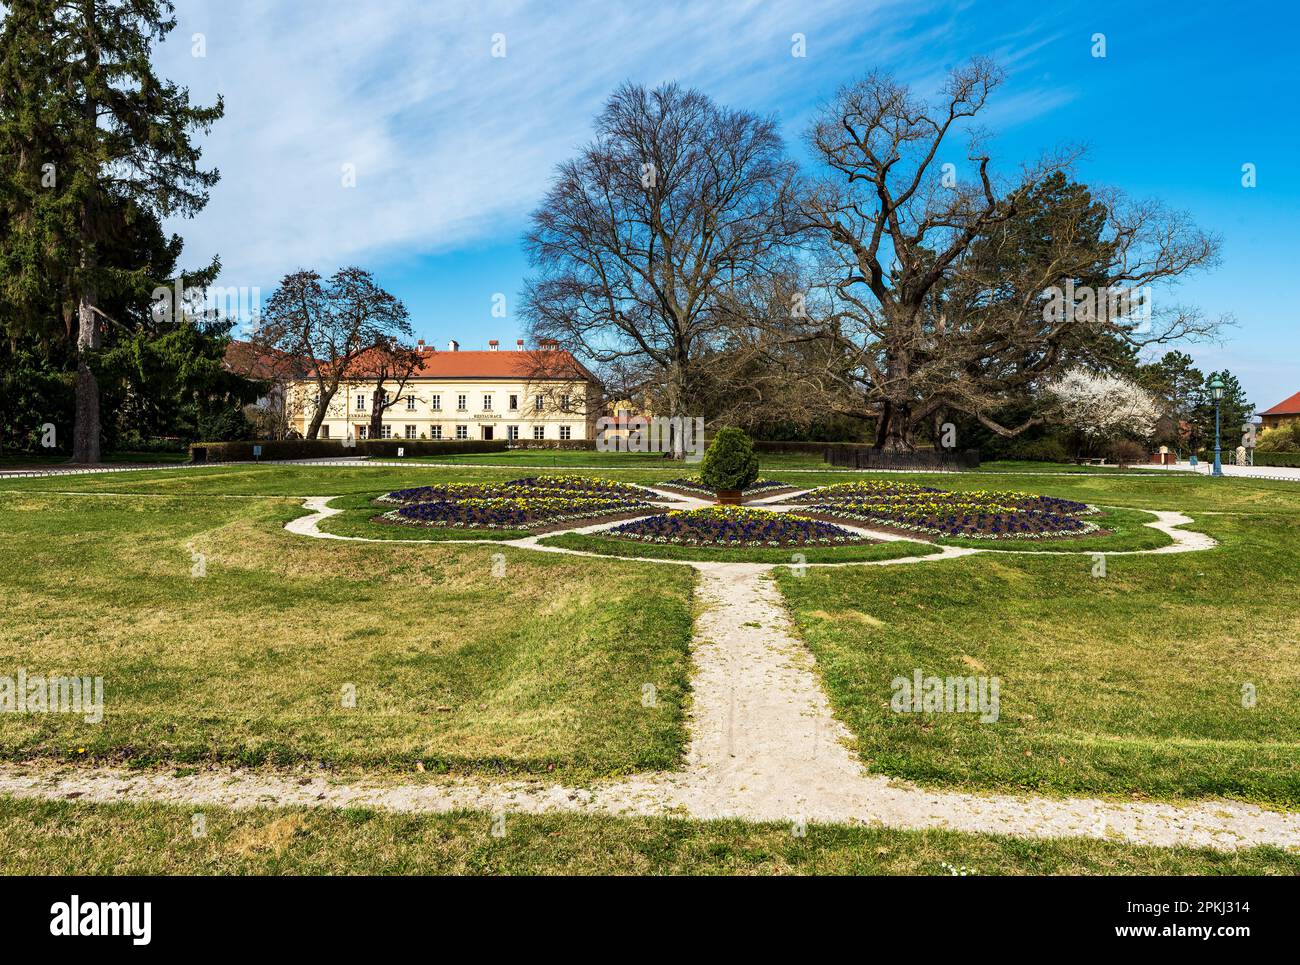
column 329, row 327
column 87, row 130
column 948, row 289
column 642, row 234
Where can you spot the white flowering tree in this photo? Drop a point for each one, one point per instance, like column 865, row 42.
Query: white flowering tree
column 1099, row 408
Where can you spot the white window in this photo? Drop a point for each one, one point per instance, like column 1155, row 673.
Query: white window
column 564, row 403
column 410, row 432
column 435, row 432
column 361, row 431
column 435, row 403
column 410, row 403
column 538, row 403
column 566, row 432
column 512, row 432
column 462, row 403
column 514, row 403
column 361, row 403
column 386, row 431
column 487, row 403
column 539, row 432
column 462, row 432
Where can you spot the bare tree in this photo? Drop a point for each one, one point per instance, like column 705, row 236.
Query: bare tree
column 935, row 287
column 327, row 327
column 389, row 361
column 674, row 201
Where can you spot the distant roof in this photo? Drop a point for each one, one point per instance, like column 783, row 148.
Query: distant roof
column 520, row 364
column 259, row 363
column 550, row 363
column 1289, row 406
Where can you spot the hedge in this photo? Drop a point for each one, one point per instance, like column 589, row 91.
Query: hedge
column 374, row 448
column 1289, row 459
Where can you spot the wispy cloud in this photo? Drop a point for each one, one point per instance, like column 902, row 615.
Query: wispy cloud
column 450, row 144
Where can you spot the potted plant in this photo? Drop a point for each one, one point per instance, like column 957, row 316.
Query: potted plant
column 729, row 466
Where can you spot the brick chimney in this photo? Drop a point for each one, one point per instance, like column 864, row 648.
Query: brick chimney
column 492, row 345
column 419, row 346
column 519, row 342
column 453, row 346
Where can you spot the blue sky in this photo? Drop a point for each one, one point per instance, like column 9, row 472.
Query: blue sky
column 452, row 147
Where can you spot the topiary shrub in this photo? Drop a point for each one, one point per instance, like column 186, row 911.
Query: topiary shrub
column 730, row 462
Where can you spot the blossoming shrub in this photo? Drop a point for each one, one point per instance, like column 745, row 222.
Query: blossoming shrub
column 734, row 526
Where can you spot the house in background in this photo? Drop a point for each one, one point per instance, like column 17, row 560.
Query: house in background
column 1284, row 413
column 521, row 395
column 269, row 415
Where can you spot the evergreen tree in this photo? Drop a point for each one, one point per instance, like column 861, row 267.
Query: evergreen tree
column 90, row 141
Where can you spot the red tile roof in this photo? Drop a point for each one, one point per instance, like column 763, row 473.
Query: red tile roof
column 242, row 357
column 533, row 364
column 246, row 359
column 1289, row 406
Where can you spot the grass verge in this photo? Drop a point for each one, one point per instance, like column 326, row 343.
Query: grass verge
column 64, row 837
column 861, row 552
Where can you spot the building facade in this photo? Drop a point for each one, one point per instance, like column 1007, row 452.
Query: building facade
column 516, row 396
column 1284, row 413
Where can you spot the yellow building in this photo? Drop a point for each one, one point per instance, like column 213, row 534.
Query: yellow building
column 1284, row 413
column 521, row 395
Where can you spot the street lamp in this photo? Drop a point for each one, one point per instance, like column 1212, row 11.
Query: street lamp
column 1216, row 390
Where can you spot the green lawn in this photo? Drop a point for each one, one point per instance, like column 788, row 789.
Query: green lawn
column 1128, row 685
column 612, row 546
column 64, row 837
column 536, row 668
column 1124, row 685
column 560, row 459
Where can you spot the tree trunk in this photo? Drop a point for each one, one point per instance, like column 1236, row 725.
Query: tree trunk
column 377, row 411
column 322, row 405
column 85, row 434
column 675, row 392
column 894, row 428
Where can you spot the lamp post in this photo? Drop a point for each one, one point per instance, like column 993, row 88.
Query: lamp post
column 1216, row 390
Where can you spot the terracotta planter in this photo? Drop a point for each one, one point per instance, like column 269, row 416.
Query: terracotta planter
column 729, row 497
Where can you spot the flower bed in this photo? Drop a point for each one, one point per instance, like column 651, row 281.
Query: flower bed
column 526, row 512
column 735, row 526
column 582, row 484
column 692, row 486
column 546, row 486
column 973, row 515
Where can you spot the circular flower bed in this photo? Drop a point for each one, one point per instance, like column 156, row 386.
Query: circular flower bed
column 693, row 486
column 734, row 526
column 976, row 515
column 528, row 512
column 517, row 489
column 583, row 484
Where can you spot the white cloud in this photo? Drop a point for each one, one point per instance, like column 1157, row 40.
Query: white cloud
column 451, row 144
